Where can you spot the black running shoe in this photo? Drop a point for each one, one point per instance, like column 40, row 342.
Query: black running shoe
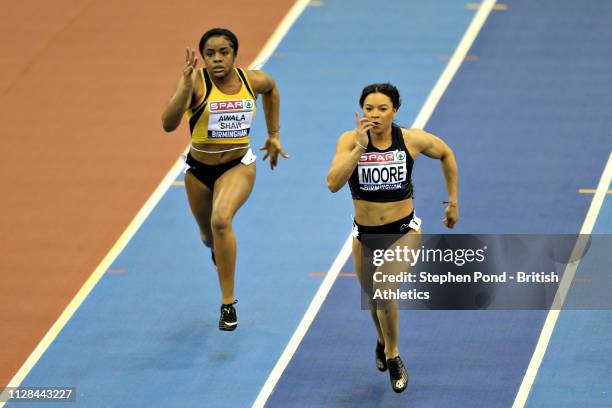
column 381, row 360
column 398, row 374
column 228, row 320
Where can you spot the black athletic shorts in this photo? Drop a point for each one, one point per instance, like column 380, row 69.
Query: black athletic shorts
column 206, row 173
column 381, row 236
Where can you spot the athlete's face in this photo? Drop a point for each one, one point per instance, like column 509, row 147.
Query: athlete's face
column 378, row 108
column 219, row 56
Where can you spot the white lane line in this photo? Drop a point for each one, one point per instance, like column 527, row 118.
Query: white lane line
column 280, row 32
column 566, row 281
column 305, row 323
column 453, row 65
column 91, row 282
column 434, row 97
column 140, row 217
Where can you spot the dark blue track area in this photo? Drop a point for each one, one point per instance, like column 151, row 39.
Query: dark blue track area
column 529, row 122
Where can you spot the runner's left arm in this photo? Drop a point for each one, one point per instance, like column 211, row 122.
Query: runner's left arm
column 264, row 84
column 434, row 147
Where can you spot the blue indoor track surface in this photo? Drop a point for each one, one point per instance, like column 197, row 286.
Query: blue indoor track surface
column 528, row 116
column 577, row 366
column 529, row 122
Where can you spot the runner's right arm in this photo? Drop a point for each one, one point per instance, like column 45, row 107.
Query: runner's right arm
column 345, row 161
column 181, row 100
column 350, row 146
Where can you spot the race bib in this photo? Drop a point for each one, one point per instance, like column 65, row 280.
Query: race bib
column 382, row 171
column 230, row 119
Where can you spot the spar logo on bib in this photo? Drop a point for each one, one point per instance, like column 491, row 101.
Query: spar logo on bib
column 382, row 171
column 230, row 119
column 231, row 106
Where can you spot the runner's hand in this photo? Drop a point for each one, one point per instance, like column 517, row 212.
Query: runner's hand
column 451, row 216
column 273, row 148
column 190, row 63
column 363, row 125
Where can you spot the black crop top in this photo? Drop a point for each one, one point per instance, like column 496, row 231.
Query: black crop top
column 383, row 175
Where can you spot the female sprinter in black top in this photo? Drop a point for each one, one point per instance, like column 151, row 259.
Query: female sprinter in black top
column 219, row 100
column 376, row 159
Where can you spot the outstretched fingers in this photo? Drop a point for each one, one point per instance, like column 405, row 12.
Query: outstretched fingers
column 363, row 124
column 264, row 147
column 190, row 59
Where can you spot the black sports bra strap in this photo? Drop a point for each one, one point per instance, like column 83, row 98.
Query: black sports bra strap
column 398, row 135
column 207, row 85
column 245, row 82
column 402, row 142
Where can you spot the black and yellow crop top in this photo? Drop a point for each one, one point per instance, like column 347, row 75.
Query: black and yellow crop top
column 218, row 118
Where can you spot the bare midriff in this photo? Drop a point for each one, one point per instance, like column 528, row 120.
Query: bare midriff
column 224, row 154
column 370, row 213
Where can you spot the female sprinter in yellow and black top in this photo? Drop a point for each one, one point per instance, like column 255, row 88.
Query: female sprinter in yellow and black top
column 220, row 103
column 376, row 159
